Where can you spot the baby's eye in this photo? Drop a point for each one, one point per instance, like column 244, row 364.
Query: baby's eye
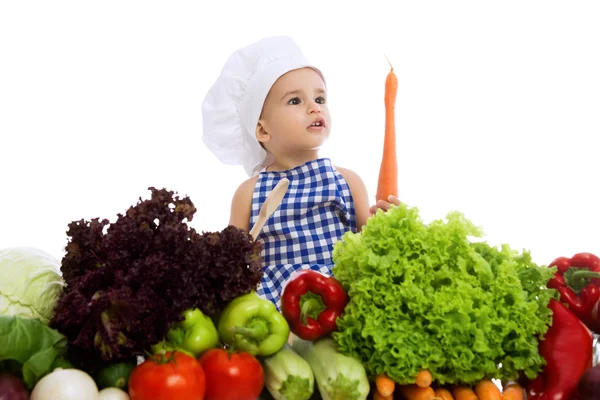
column 320, row 100
column 294, row 101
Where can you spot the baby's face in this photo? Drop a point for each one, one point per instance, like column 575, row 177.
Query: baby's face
column 295, row 113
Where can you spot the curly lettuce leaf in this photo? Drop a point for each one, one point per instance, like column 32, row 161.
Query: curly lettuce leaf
column 425, row 296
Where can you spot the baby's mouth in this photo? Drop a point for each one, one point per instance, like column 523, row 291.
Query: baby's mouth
column 320, row 123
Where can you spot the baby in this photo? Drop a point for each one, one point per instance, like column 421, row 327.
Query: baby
column 268, row 111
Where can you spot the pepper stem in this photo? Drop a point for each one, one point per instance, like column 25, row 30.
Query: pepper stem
column 578, row 278
column 231, row 350
column 311, row 305
column 257, row 329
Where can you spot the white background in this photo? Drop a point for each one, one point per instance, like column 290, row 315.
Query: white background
column 497, row 110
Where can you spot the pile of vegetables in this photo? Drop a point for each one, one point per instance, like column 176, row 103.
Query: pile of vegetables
column 244, row 356
column 428, row 296
column 29, row 289
column 311, row 304
column 128, row 281
column 33, row 356
column 147, row 308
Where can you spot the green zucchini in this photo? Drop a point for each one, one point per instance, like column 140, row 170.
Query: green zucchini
column 339, row 377
column 288, row 376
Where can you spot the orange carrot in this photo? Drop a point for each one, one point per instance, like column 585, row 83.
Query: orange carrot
column 424, row 378
column 513, row 391
column 487, row 390
column 379, row 396
column 385, row 386
column 463, row 393
column 388, row 172
column 443, row 394
column 414, row 392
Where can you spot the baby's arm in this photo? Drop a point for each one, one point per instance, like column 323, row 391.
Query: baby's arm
column 241, row 205
column 359, row 196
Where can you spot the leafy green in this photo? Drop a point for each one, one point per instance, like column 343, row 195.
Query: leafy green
column 29, row 348
column 128, row 281
column 426, row 296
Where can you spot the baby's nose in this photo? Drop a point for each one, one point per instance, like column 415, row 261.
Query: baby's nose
column 314, row 108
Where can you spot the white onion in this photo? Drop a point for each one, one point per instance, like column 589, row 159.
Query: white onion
column 65, row 384
column 113, row 393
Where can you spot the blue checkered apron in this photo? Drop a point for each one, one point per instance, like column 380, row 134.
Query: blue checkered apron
column 316, row 211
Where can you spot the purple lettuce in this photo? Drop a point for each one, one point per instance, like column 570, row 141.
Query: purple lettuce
column 128, row 281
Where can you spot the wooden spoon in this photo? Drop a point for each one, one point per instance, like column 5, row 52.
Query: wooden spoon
column 269, row 206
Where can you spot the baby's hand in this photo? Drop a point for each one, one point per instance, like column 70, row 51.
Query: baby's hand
column 384, row 205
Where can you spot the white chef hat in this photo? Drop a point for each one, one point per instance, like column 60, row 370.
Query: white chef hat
column 232, row 106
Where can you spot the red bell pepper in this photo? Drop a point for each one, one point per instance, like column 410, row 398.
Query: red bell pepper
column 311, row 303
column 577, row 279
column 567, row 349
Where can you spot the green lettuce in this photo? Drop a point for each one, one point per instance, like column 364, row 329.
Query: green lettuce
column 30, row 349
column 428, row 296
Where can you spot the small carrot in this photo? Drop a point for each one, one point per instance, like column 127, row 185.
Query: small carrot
column 487, row 390
column 424, row 378
column 443, row 394
column 387, row 183
column 463, row 393
column 513, row 391
column 385, row 386
column 379, row 396
column 414, row 392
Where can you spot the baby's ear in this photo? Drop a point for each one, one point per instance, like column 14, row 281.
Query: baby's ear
column 261, row 133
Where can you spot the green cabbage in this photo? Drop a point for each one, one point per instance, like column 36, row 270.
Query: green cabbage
column 427, row 297
column 31, row 283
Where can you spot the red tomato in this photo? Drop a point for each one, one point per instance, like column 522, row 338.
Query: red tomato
column 237, row 376
column 166, row 378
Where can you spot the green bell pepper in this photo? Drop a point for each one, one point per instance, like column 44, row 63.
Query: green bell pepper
column 253, row 325
column 194, row 335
